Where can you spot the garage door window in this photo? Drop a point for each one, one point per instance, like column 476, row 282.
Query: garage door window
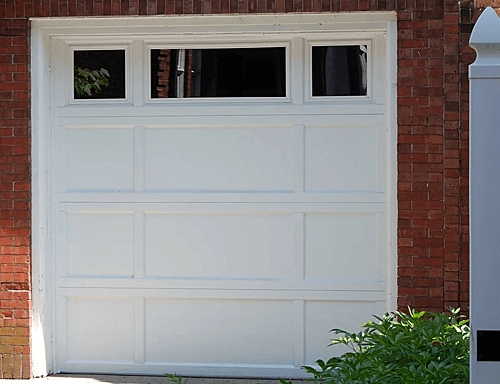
column 99, row 74
column 218, row 72
column 339, row 70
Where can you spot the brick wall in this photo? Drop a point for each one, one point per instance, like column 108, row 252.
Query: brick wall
column 433, row 228
column 163, row 73
column 433, row 249
column 466, row 56
column 15, row 196
column 432, row 144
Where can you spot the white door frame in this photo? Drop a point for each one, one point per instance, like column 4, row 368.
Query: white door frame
column 45, row 31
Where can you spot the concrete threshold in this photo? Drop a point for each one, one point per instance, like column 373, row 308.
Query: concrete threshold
column 119, row 379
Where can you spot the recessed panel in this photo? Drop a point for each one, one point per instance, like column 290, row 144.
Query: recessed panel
column 100, row 329
column 100, row 159
column 341, row 159
column 219, row 331
column 219, row 159
column 322, row 316
column 100, row 245
column 341, row 247
column 219, row 246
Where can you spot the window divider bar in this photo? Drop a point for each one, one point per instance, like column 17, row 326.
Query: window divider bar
column 137, row 63
column 296, row 72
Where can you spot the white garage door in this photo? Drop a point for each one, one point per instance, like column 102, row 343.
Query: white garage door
column 228, row 200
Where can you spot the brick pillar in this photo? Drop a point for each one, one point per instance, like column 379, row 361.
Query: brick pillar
column 421, row 200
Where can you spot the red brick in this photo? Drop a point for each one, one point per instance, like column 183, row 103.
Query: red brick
column 428, row 262
column 405, row 291
column 427, row 302
column 427, row 282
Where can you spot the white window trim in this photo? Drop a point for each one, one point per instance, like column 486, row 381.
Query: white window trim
column 279, row 43
column 346, row 99
column 255, row 28
column 100, row 47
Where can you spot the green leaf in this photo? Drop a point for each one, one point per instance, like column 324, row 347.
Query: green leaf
column 86, row 81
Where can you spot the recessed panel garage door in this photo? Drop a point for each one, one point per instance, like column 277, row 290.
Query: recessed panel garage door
column 220, row 231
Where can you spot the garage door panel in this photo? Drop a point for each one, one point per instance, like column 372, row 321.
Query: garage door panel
column 332, row 247
column 322, row 316
column 100, row 244
column 341, row 247
column 219, row 159
column 220, row 246
column 99, row 159
column 342, row 159
column 194, row 331
column 215, row 236
column 100, row 329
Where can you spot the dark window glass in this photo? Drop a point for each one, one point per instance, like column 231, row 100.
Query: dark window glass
column 339, row 70
column 99, row 74
column 232, row 72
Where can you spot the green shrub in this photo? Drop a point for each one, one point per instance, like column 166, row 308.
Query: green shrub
column 414, row 348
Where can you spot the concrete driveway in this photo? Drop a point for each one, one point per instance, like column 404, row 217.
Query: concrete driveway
column 115, row 379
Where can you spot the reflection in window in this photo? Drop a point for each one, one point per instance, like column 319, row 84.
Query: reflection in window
column 339, row 70
column 99, row 74
column 228, row 72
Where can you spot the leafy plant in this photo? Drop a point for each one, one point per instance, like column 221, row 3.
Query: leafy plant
column 87, row 81
column 175, row 378
column 414, row 348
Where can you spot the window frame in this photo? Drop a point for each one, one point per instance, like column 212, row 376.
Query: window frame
column 210, row 100
column 71, row 77
column 308, row 68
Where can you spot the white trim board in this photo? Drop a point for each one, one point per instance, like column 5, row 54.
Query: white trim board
column 217, row 24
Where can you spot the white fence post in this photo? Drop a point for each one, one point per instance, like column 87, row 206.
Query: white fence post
column 484, row 75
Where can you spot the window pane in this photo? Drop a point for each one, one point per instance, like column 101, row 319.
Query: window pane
column 99, row 74
column 339, row 70
column 228, row 72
